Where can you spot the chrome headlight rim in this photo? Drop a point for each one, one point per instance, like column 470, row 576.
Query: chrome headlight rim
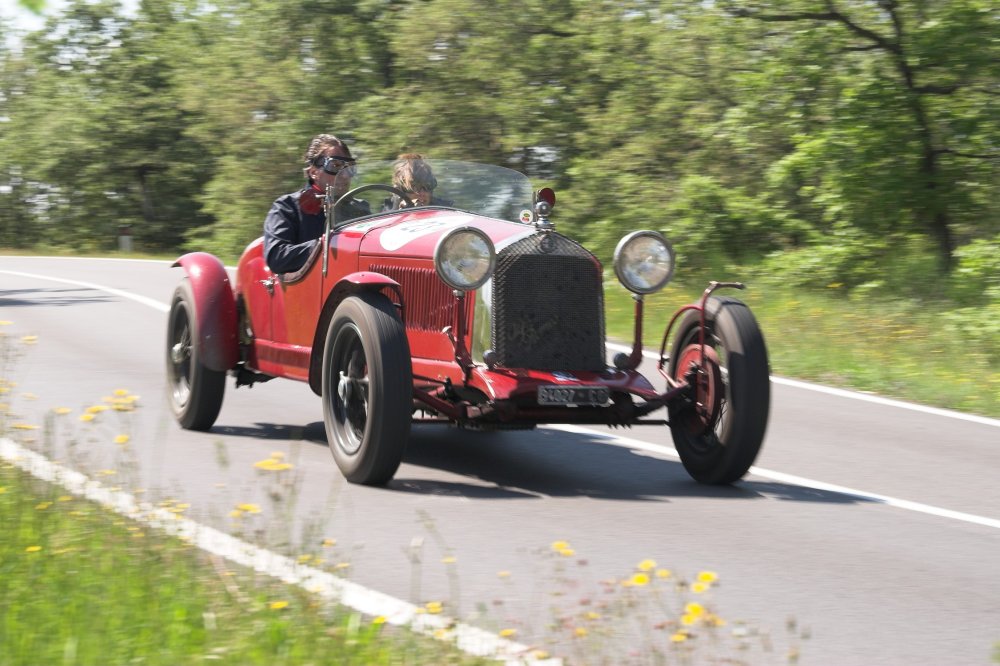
column 619, row 259
column 439, row 258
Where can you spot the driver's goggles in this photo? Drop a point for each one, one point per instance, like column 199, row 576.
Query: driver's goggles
column 334, row 165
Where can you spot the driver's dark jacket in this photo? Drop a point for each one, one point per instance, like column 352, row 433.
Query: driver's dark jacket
column 290, row 233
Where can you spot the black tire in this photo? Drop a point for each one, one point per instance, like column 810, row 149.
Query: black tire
column 724, row 453
column 195, row 391
column 367, row 388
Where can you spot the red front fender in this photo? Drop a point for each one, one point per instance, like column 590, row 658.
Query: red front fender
column 215, row 310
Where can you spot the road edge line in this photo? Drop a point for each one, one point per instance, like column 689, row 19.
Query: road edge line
column 467, row 638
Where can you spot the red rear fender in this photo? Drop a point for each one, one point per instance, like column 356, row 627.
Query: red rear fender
column 215, row 310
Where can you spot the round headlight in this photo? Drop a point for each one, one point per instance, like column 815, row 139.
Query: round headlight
column 464, row 258
column 644, row 261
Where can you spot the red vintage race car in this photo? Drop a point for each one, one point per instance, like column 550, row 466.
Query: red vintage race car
column 473, row 311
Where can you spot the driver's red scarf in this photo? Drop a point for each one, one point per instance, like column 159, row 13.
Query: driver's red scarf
column 311, row 200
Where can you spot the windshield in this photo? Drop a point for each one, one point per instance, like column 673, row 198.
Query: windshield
column 477, row 188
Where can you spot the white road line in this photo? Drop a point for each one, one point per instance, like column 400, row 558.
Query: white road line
column 625, row 442
column 853, row 395
column 467, row 638
column 153, row 303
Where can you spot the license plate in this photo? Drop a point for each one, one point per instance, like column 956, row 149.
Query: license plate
column 572, row 395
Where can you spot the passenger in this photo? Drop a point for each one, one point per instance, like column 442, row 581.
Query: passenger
column 297, row 220
column 413, row 175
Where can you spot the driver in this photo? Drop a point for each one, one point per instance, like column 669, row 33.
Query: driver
column 297, row 220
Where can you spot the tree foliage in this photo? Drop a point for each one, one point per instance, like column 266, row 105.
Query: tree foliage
column 834, row 140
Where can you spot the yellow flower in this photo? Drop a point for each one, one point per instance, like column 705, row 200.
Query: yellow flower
column 122, row 439
column 304, row 558
column 381, row 619
column 678, row 637
column 235, row 513
column 120, row 392
column 449, row 560
column 699, row 588
column 29, row 339
column 507, row 633
column 327, row 543
column 62, row 410
column 86, row 417
column 42, row 506
column 433, row 607
column 278, row 605
column 708, row 577
column 567, row 552
column 32, row 549
column 663, row 573
column 646, row 565
column 695, row 609
column 65, row 498
column 97, row 409
column 559, row 546
column 687, row 620
column 503, row 574
column 540, row 654
column 640, row 579
column 272, row 465
column 579, row 632
column 248, row 508
column 24, row 426
column 342, row 565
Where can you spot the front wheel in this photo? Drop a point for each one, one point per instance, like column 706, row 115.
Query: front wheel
column 719, row 431
column 367, row 389
column 195, row 391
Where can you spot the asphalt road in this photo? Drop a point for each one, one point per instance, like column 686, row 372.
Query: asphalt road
column 897, row 561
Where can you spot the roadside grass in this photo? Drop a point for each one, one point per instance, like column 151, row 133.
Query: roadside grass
column 897, row 348
column 81, row 585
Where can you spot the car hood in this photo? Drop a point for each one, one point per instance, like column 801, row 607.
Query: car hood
column 415, row 234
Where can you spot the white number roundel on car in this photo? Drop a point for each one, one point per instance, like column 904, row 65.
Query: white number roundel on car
column 396, row 237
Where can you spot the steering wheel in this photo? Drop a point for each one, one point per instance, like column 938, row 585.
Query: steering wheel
column 348, row 196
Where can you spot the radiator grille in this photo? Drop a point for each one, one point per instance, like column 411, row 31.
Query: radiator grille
column 548, row 306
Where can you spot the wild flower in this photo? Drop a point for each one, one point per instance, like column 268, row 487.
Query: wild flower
column 272, row 464
column 122, row 439
column 646, row 565
column 507, row 633
column 278, row 605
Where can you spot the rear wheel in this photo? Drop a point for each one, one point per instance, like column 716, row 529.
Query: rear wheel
column 719, row 432
column 195, row 391
column 367, row 389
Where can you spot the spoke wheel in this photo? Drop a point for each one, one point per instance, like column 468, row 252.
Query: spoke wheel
column 367, row 389
column 719, row 430
column 196, row 392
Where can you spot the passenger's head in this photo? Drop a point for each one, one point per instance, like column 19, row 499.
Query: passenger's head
column 328, row 161
column 413, row 175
